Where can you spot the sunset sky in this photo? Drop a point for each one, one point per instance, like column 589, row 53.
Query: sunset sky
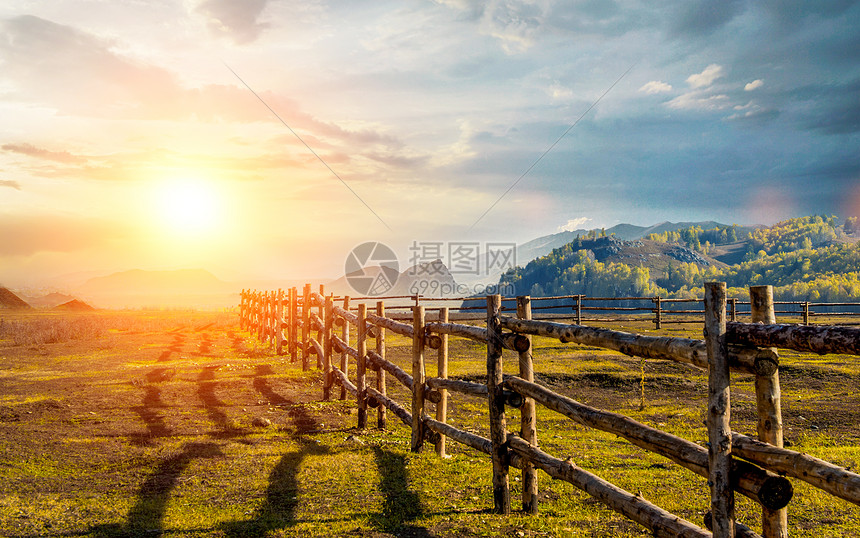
column 126, row 141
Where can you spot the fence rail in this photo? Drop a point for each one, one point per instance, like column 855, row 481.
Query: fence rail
column 731, row 463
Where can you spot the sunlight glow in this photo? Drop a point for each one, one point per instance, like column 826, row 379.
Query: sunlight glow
column 188, row 207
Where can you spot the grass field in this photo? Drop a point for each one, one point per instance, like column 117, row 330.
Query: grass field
column 146, row 424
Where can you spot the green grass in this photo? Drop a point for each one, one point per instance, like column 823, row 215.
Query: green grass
column 130, row 441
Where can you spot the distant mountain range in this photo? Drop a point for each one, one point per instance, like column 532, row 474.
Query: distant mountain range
column 198, row 288
column 544, row 245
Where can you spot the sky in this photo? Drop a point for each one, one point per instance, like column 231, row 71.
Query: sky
column 265, row 138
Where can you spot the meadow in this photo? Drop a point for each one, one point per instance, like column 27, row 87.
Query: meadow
column 179, row 424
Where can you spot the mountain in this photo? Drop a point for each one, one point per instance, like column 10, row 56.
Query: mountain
column 48, row 301
column 541, row 246
column 10, row 301
column 808, row 258
column 76, row 306
column 184, row 288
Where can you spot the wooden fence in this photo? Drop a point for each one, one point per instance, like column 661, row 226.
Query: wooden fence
column 732, row 463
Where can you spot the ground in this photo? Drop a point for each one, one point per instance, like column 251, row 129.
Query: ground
column 180, row 424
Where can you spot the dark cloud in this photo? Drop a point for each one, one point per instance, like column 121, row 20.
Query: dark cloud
column 237, row 20
column 11, row 184
column 40, row 153
column 703, row 17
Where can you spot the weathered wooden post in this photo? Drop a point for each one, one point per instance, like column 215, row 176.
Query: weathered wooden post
column 361, row 366
column 658, row 313
column 328, row 376
column 496, row 400
column 306, row 326
column 261, row 316
column 733, row 303
column 417, row 377
column 528, row 427
column 320, row 313
column 442, row 365
column 380, row 374
column 579, row 309
column 719, row 412
column 805, row 306
column 294, row 323
column 344, row 356
column 279, row 322
column 769, row 404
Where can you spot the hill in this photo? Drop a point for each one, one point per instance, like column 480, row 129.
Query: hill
column 809, row 258
column 542, row 246
column 48, row 301
column 10, row 301
column 184, row 288
column 75, row 306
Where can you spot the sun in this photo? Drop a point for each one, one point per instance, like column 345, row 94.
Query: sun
column 188, row 207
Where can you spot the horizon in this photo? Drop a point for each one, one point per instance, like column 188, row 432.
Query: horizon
column 264, row 140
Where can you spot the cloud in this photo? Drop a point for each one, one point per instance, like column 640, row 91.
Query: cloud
column 11, row 184
column 754, row 85
column 655, row 86
column 39, row 153
column 514, row 23
column 699, row 101
column 236, row 20
column 574, row 224
column 702, row 17
column 706, row 77
column 25, row 235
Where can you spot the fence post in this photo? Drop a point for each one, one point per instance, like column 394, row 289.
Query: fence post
column 306, row 326
column 344, row 356
column 320, row 313
column 361, row 366
column 380, row 374
column 417, row 377
column 768, row 400
column 496, row 400
column 327, row 345
column 294, row 323
column 579, row 309
column 733, row 302
column 528, row 428
column 261, row 316
column 806, row 312
column 658, row 313
column 719, row 411
column 442, row 363
column 279, row 323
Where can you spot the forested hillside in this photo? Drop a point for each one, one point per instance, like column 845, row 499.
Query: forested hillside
column 808, row 258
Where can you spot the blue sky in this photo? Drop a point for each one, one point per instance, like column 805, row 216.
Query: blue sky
column 736, row 111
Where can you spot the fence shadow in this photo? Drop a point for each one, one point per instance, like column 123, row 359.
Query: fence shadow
column 206, row 385
column 146, row 517
column 400, row 504
column 282, row 494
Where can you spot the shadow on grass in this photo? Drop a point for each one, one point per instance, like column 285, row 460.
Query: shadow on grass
column 261, row 384
column 282, row 494
column 400, row 506
column 146, row 517
column 154, row 420
column 206, row 391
